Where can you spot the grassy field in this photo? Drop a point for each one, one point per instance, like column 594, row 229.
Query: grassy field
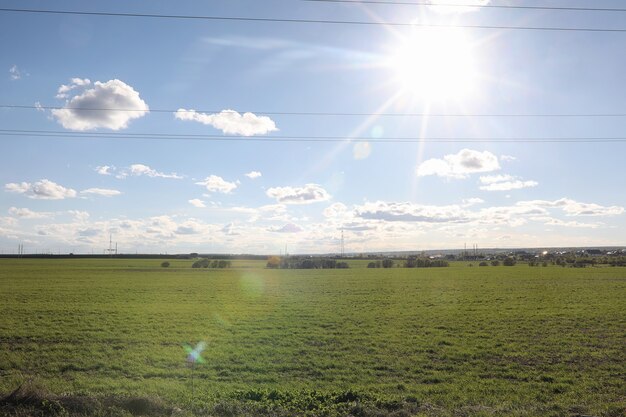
column 457, row 341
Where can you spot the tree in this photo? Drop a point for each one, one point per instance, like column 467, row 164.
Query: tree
column 387, row 263
column 202, row 263
column 509, row 261
column 273, row 262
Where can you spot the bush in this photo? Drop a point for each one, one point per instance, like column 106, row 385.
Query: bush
column 387, row 263
column 509, row 261
column 165, row 264
column 483, row 263
column 495, row 262
column 309, row 263
column 201, row 263
column 223, row 264
column 273, row 262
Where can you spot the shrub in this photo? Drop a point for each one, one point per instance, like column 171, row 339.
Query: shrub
column 273, row 262
column 372, row 265
column 165, row 264
column 201, row 263
column 509, row 261
column 387, row 263
column 223, row 264
column 483, row 263
column 495, row 262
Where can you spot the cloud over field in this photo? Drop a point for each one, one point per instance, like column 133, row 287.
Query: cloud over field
column 214, row 183
column 114, row 104
column 196, row 202
column 42, row 190
column 230, row 122
column 575, row 208
column 104, row 192
column 309, row 193
column 459, row 165
column 410, row 212
column 457, row 6
column 288, row 228
column 135, row 170
column 25, row 213
column 504, row 183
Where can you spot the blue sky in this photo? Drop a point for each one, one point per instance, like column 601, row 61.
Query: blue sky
column 251, row 191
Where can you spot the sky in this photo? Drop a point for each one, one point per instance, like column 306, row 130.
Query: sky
column 242, row 136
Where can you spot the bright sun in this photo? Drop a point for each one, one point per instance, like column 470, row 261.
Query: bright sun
column 434, row 64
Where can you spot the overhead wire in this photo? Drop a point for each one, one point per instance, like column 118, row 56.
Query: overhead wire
column 482, row 6
column 299, row 138
column 312, row 21
column 323, row 113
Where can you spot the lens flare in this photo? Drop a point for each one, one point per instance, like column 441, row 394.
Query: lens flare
column 194, row 354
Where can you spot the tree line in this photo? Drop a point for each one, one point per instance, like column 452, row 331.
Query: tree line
column 295, row 262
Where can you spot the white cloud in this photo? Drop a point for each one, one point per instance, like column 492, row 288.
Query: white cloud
column 504, row 183
column 274, row 212
column 309, row 193
column 14, row 73
column 491, row 179
column 253, row 174
column 118, row 102
column 288, row 228
column 43, row 190
column 138, row 170
column 575, row 224
column 509, row 185
column 135, row 170
column 105, row 192
column 196, row 202
column 26, row 213
column 472, row 201
column 336, row 210
column 459, row 165
column 64, row 89
column 213, row 183
column 230, row 122
column 575, row 208
column 105, row 170
column 361, row 150
column 507, row 158
column 79, row 215
column 457, row 6
column 409, row 212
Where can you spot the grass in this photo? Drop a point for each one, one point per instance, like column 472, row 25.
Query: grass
column 510, row 341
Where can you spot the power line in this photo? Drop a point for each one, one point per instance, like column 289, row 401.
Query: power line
column 486, row 6
column 339, row 114
column 313, row 21
column 296, row 138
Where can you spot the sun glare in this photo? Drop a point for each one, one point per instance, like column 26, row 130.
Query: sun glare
column 435, row 64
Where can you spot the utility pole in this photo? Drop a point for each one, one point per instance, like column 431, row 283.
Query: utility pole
column 343, row 248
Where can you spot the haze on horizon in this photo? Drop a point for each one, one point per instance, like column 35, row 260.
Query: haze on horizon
column 238, row 136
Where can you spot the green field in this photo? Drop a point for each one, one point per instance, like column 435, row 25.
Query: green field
column 457, row 341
